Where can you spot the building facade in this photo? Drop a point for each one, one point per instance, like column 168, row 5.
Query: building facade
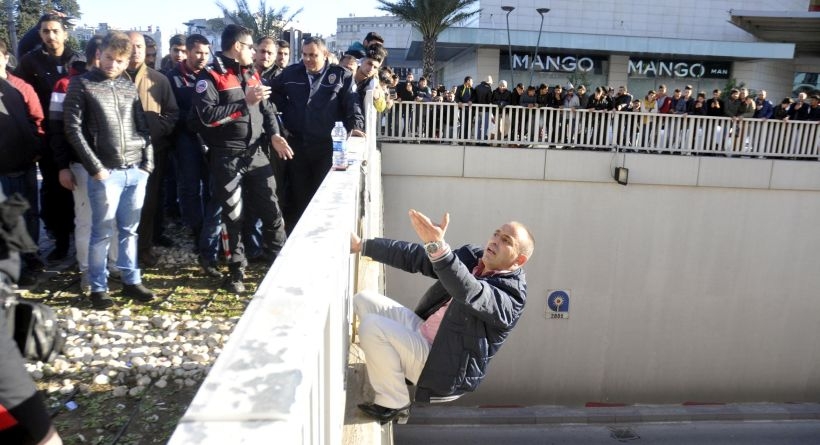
column 398, row 37
column 636, row 43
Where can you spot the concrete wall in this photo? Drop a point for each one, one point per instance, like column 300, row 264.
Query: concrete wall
column 696, row 282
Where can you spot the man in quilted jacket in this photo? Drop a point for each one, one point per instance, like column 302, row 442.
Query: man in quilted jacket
column 106, row 125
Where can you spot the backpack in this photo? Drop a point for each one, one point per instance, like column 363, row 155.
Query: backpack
column 34, row 327
column 31, row 324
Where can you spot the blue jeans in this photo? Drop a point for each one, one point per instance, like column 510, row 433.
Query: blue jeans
column 116, row 203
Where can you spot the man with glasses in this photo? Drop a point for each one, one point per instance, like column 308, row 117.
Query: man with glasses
column 236, row 120
column 312, row 96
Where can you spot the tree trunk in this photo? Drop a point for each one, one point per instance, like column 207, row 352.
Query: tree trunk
column 429, row 59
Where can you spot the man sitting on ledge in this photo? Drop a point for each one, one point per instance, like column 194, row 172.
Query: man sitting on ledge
column 459, row 324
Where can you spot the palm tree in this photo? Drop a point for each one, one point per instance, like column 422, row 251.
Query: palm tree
column 265, row 22
column 430, row 18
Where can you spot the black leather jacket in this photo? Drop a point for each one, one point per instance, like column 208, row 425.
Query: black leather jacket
column 105, row 123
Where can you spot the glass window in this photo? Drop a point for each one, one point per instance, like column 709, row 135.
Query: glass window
column 808, row 83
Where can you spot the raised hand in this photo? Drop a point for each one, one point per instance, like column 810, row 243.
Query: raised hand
column 426, row 229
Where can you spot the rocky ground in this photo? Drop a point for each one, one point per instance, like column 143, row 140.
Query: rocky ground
column 127, row 374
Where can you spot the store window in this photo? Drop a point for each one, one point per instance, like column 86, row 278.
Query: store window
column 554, row 69
column 646, row 74
column 808, row 83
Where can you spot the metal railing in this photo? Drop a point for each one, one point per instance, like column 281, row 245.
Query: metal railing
column 605, row 130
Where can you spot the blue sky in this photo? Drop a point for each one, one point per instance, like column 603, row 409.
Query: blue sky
column 318, row 16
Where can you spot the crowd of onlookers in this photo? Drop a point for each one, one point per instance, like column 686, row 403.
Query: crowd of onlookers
column 197, row 147
column 179, row 186
column 738, row 103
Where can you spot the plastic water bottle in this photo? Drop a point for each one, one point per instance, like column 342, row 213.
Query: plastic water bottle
column 339, row 136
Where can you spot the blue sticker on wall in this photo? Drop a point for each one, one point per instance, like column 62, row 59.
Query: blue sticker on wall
column 558, row 304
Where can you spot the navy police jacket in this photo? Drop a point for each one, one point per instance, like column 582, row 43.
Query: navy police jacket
column 219, row 111
column 483, row 312
column 182, row 82
column 308, row 118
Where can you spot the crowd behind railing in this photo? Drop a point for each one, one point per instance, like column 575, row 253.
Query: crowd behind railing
column 742, row 126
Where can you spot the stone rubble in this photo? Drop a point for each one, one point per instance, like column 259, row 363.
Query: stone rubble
column 128, row 352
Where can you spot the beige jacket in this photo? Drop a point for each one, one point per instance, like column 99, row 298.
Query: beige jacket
column 160, row 106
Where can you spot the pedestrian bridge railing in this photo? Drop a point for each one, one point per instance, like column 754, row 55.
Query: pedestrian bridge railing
column 450, row 123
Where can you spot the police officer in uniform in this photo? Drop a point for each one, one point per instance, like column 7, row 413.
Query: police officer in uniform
column 234, row 117
column 312, row 96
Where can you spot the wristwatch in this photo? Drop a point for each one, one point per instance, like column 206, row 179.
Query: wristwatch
column 433, row 247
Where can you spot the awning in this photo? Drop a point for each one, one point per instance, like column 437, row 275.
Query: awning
column 800, row 28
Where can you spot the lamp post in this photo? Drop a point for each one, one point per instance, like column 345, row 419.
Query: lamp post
column 510, row 9
column 9, row 4
column 541, row 12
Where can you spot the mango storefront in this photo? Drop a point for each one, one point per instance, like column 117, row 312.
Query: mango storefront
column 643, row 73
column 640, row 63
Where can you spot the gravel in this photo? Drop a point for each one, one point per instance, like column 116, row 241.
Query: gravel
column 124, row 353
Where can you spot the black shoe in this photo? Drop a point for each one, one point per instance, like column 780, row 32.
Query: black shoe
column 27, row 278
column 148, row 259
column 209, row 267
column 137, row 292
column 233, row 283
column 164, row 241
column 382, row 414
column 33, row 262
column 58, row 254
column 101, row 300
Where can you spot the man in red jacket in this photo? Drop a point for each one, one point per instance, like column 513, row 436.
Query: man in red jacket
column 22, row 178
column 42, row 68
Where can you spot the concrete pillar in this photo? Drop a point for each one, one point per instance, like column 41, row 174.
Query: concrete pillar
column 487, row 61
column 617, row 70
column 774, row 76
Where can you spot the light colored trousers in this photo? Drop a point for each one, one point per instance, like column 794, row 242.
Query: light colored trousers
column 394, row 348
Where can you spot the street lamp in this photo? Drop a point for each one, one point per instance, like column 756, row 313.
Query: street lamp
column 12, row 32
column 541, row 12
column 510, row 9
